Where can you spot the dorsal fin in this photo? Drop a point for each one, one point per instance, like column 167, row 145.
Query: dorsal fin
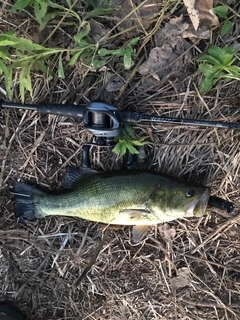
column 75, row 175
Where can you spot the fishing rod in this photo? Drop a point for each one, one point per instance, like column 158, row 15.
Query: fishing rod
column 106, row 122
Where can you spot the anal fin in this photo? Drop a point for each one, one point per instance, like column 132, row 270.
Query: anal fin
column 139, row 232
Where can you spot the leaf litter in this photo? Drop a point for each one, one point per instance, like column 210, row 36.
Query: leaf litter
column 199, row 259
column 172, row 54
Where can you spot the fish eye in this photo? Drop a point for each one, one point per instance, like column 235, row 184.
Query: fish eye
column 190, row 193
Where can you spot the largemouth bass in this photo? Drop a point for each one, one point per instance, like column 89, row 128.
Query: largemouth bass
column 138, row 198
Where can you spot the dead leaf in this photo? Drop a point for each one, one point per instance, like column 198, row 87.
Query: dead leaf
column 175, row 30
column 164, row 61
column 201, row 13
column 142, row 18
column 115, row 83
column 182, row 280
column 171, row 55
column 172, row 32
column 97, row 30
column 167, row 232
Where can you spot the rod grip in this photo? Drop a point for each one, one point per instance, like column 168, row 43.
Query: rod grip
column 63, row 110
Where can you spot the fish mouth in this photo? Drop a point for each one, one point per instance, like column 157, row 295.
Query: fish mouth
column 198, row 207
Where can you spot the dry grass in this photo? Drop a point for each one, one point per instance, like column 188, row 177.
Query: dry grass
column 39, row 263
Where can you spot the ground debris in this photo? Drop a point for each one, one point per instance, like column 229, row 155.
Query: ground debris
column 201, row 13
column 182, row 279
column 141, row 18
column 170, row 57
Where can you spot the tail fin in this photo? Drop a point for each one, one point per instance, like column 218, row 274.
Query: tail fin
column 25, row 201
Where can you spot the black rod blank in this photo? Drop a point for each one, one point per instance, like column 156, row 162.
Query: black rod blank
column 193, row 122
column 134, row 117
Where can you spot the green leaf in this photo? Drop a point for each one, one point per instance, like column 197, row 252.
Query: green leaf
column 74, row 58
column 104, row 52
column 229, row 50
column 128, row 131
column 41, row 66
column 99, row 63
column 25, row 81
column 117, row 148
column 120, row 148
column 139, row 142
column 4, row 54
column 207, row 69
column 85, row 29
column 216, row 53
column 134, row 41
column 227, row 26
column 132, row 149
column 61, row 74
column 4, row 43
column 8, row 78
column 206, row 85
column 40, row 9
column 48, row 17
column 228, row 56
column 235, row 70
column 97, row 12
column 127, row 58
column 8, row 81
column 63, row 9
column 208, row 58
column 221, row 11
column 224, row 55
column 20, row 43
column 20, row 5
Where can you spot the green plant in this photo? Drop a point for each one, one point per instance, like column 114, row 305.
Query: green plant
column 127, row 53
column 41, row 8
column 23, row 55
column 128, row 140
column 222, row 11
column 216, row 65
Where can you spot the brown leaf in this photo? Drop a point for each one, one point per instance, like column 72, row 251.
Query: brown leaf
column 201, row 13
column 114, row 84
column 170, row 56
column 163, row 61
column 167, row 232
column 182, row 279
column 97, row 30
column 142, row 18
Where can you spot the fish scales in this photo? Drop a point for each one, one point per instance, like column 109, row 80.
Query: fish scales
column 99, row 199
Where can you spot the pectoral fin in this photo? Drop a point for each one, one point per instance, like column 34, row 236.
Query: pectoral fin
column 139, row 232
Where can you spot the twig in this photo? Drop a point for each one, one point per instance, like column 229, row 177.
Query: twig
column 20, row 290
column 217, row 232
column 208, row 304
column 211, row 262
column 93, row 259
column 35, row 146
